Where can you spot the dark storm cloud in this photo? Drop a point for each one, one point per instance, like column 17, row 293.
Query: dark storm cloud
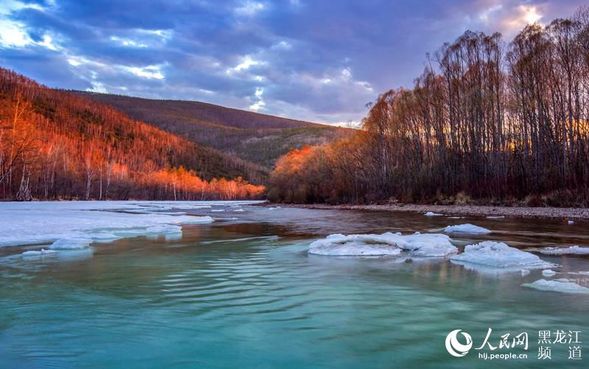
column 321, row 60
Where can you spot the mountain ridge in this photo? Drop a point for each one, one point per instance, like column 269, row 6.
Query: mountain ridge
column 296, row 123
column 257, row 138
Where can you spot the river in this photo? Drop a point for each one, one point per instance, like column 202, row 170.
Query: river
column 242, row 292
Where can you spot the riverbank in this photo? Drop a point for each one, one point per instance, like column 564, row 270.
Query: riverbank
column 465, row 210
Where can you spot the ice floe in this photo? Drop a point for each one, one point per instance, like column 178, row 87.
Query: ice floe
column 498, row 255
column 38, row 253
column 466, row 229
column 73, row 225
column 432, row 214
column 420, row 245
column 548, row 273
column 71, row 244
column 557, row 285
column 571, row 250
column 60, row 255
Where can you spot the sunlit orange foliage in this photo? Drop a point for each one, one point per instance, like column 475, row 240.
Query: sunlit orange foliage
column 57, row 145
column 185, row 184
column 331, row 173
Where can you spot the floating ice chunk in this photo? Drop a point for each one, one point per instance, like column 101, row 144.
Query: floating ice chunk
column 432, row 214
column 239, row 210
column 70, row 244
column 466, row 228
column 571, row 222
column 355, row 245
column 428, row 245
column 548, row 273
column 557, row 285
column 60, row 255
column 218, row 211
column 38, row 253
column 572, row 250
column 423, row 245
column 355, row 249
column 498, row 255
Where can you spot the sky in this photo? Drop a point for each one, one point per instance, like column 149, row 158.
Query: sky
column 316, row 60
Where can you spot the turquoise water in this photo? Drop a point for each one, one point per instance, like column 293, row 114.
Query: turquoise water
column 243, row 293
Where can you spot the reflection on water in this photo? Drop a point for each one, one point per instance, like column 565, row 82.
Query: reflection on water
column 244, row 293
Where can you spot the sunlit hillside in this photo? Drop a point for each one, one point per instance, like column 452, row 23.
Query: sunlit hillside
column 58, row 145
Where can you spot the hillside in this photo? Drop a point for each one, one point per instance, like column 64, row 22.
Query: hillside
column 258, row 138
column 55, row 144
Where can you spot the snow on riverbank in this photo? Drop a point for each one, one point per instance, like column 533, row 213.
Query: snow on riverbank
column 422, row 245
column 557, row 285
column 498, row 255
column 75, row 224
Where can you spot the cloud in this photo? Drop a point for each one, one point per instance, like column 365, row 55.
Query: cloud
column 522, row 16
column 13, row 34
column 259, row 100
column 318, row 60
column 148, row 72
column 249, row 8
column 245, row 63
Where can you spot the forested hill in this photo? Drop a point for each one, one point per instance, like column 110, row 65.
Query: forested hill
column 258, row 138
column 59, row 145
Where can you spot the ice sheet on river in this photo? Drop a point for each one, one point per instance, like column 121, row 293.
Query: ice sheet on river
column 498, row 255
column 557, row 285
column 422, row 245
column 73, row 225
column 466, row 229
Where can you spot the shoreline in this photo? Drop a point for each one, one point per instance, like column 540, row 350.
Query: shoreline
column 464, row 210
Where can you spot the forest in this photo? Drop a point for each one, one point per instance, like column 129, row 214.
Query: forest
column 59, row 145
column 486, row 122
